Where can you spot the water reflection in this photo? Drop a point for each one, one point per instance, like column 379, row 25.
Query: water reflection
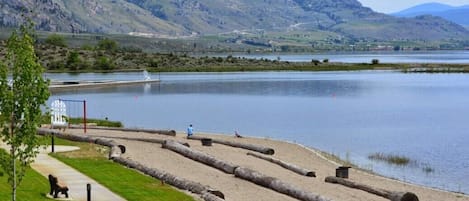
column 309, row 88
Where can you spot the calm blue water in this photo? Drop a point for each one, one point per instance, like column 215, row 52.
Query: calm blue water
column 350, row 114
column 455, row 57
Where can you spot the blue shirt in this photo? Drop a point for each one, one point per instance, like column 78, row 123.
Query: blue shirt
column 190, row 131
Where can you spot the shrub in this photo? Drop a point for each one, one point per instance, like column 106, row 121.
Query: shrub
column 87, row 47
column 55, row 65
column 73, row 60
column 315, row 62
column 104, row 63
column 56, row 40
column 131, row 49
column 374, row 61
column 107, row 44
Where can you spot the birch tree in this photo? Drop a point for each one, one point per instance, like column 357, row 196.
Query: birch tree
column 23, row 91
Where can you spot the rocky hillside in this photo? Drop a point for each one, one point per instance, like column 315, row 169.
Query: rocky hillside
column 92, row 16
column 188, row 17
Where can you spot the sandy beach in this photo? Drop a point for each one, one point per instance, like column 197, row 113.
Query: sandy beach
column 236, row 189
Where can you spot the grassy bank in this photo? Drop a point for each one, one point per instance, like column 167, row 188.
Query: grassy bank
column 33, row 187
column 99, row 122
column 91, row 160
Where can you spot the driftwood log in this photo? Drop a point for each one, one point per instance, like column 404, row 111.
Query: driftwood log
column 154, row 131
column 285, row 165
column 391, row 195
column 199, row 156
column 277, row 185
column 206, row 192
column 252, row 147
column 150, row 140
column 243, row 173
column 116, row 149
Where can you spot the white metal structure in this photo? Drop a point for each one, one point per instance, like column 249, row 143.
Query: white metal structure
column 58, row 114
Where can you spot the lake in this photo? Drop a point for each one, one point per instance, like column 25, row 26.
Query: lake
column 349, row 114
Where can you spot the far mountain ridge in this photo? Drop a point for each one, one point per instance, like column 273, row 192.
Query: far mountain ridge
column 179, row 18
column 456, row 14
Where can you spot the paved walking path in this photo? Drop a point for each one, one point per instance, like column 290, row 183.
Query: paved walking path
column 76, row 181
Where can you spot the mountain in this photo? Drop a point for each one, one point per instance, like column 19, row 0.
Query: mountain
column 177, row 18
column 423, row 9
column 459, row 15
column 94, row 16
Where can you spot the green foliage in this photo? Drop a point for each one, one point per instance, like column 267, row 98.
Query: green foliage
column 73, row 61
column 375, row 61
column 107, row 44
column 20, row 104
column 98, row 122
column 87, row 47
column 131, row 49
column 104, row 63
column 56, row 40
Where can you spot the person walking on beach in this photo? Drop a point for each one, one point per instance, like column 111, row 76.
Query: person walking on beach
column 190, row 131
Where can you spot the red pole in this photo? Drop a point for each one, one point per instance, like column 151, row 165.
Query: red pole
column 84, row 114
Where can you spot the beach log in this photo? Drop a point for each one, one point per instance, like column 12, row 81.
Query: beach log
column 205, row 191
column 277, row 185
column 116, row 149
column 252, row 147
column 153, row 131
column 199, row 156
column 209, row 196
column 150, row 140
column 391, row 195
column 285, row 165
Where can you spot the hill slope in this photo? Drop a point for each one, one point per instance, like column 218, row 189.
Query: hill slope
column 459, row 15
column 186, row 17
column 93, row 16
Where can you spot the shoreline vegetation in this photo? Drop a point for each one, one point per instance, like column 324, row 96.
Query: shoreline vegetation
column 107, row 57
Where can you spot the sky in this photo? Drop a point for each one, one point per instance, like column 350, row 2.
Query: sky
column 390, row 6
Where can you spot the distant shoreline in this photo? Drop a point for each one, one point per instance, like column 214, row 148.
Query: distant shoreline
column 314, row 66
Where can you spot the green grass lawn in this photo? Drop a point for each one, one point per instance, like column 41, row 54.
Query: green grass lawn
column 128, row 183
column 33, row 187
column 91, row 160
